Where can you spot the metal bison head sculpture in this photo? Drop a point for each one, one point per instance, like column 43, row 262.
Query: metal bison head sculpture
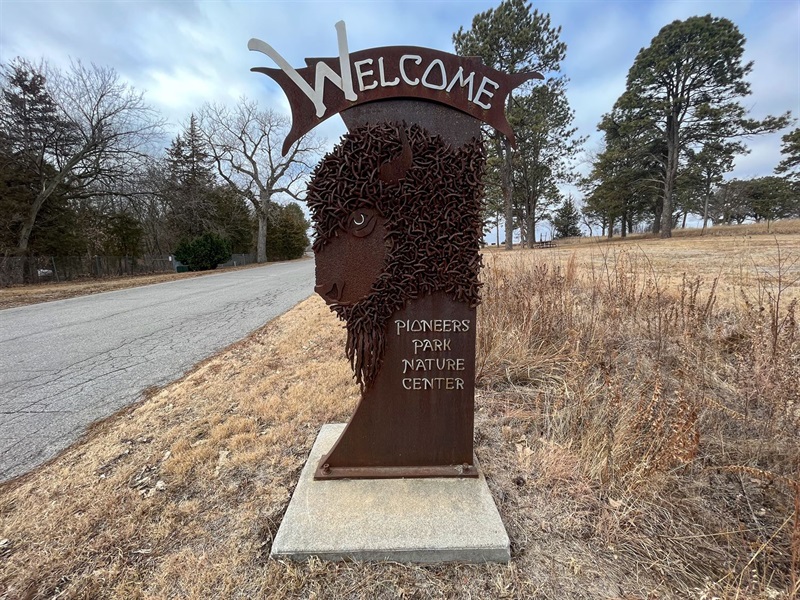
column 397, row 216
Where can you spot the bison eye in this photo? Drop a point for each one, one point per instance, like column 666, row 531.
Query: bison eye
column 362, row 222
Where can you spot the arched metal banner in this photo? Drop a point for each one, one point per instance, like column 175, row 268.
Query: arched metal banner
column 328, row 86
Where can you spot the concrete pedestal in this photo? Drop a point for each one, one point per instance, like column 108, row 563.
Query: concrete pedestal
column 403, row 520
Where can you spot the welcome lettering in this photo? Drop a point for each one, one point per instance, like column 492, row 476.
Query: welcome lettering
column 328, row 86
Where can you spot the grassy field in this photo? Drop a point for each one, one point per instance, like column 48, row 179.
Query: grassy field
column 637, row 418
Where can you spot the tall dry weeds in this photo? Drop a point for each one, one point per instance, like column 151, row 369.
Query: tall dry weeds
column 681, row 415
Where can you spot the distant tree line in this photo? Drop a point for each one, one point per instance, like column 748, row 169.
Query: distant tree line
column 674, row 133
column 669, row 140
column 83, row 171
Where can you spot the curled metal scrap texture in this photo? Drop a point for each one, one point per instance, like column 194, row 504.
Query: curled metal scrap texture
column 433, row 218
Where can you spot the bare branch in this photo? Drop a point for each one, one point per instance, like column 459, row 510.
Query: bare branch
column 244, row 142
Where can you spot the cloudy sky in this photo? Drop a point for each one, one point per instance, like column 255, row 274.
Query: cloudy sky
column 184, row 53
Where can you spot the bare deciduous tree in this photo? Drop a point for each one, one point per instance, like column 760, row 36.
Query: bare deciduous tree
column 90, row 130
column 245, row 143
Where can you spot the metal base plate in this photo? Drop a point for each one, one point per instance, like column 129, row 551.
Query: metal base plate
column 394, row 472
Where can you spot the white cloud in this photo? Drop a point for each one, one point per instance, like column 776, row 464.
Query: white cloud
column 187, row 53
column 763, row 157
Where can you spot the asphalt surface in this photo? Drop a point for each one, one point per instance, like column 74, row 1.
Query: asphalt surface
column 67, row 363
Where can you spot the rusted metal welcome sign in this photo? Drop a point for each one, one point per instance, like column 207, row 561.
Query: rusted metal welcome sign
column 396, row 207
column 390, row 72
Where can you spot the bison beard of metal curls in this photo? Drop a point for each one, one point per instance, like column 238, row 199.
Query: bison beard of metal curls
column 397, row 220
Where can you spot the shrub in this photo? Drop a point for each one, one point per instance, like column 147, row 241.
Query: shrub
column 204, row 252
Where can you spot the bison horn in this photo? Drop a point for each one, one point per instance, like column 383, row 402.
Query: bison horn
column 395, row 169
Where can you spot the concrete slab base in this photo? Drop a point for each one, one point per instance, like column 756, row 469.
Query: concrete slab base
column 403, row 520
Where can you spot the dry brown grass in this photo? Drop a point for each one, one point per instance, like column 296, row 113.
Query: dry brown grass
column 639, row 432
column 740, row 262
column 23, row 295
column 227, row 443
column 680, row 406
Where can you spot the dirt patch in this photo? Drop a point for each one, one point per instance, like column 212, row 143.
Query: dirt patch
column 23, row 295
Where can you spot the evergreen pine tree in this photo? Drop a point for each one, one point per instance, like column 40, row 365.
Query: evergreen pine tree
column 515, row 38
column 567, row 220
column 190, row 184
column 286, row 237
column 687, row 87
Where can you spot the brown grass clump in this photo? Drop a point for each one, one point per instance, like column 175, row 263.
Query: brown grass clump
column 638, row 429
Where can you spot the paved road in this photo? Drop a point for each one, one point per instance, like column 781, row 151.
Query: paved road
column 67, row 363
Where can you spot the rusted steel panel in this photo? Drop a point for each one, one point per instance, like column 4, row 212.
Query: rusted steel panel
column 397, row 217
column 396, row 208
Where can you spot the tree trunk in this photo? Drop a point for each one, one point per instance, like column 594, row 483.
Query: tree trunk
column 666, row 211
column 508, row 191
column 707, row 195
column 41, row 198
column 497, row 231
column 27, row 226
column 624, row 225
column 705, row 214
column 530, row 223
column 657, row 217
column 24, row 237
column 261, row 248
column 610, row 228
column 670, row 174
column 683, row 223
